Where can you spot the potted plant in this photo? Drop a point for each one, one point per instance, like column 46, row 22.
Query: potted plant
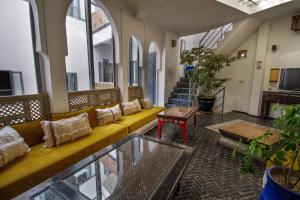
column 206, row 66
column 283, row 179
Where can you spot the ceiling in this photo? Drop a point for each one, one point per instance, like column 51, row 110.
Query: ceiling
column 185, row 17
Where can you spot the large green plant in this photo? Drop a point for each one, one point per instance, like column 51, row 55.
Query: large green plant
column 207, row 65
column 286, row 153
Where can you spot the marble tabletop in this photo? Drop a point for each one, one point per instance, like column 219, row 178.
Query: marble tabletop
column 138, row 167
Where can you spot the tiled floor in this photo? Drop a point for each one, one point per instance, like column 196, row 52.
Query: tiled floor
column 212, row 173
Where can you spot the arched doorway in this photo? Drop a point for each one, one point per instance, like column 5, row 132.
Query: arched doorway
column 135, row 61
column 153, row 65
column 92, row 49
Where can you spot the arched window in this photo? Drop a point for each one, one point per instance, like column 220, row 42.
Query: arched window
column 91, row 59
column 18, row 59
column 135, row 61
column 153, row 65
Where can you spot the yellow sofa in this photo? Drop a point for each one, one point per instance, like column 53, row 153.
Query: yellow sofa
column 42, row 163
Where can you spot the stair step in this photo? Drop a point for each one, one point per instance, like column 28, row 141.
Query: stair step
column 185, row 90
column 180, row 101
column 184, row 80
column 186, row 85
column 182, row 95
column 169, row 105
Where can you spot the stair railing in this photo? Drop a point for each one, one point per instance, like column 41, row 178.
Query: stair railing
column 192, row 87
column 222, row 33
column 220, row 100
column 211, row 35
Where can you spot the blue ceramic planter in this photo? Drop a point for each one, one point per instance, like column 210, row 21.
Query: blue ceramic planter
column 273, row 191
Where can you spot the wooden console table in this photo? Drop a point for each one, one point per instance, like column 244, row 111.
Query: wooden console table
column 281, row 97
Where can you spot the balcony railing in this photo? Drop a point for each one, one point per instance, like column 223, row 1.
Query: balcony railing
column 25, row 108
column 135, row 92
column 101, row 97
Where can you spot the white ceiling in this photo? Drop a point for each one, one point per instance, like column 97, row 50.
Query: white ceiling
column 185, row 17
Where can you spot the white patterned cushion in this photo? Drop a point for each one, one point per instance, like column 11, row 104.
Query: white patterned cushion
column 131, row 107
column 12, row 145
column 48, row 134
column 146, row 103
column 137, row 104
column 65, row 130
column 108, row 115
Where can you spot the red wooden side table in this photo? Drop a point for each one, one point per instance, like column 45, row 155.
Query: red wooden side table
column 177, row 115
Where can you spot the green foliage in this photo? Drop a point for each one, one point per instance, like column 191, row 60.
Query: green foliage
column 284, row 154
column 207, row 65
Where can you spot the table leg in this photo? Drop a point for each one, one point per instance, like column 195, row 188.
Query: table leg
column 159, row 124
column 184, row 132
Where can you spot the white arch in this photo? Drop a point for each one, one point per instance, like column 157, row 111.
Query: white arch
column 153, row 47
column 138, row 42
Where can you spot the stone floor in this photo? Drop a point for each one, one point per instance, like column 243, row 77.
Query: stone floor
column 212, row 172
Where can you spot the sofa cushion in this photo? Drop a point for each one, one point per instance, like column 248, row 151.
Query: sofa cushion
column 42, row 163
column 137, row 120
column 131, row 107
column 108, row 115
column 146, row 103
column 12, row 145
column 65, row 130
column 31, row 132
column 90, row 111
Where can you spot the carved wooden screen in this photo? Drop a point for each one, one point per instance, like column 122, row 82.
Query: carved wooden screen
column 135, row 92
column 26, row 108
column 102, row 97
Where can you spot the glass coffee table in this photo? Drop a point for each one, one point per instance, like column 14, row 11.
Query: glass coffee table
column 138, row 167
column 178, row 115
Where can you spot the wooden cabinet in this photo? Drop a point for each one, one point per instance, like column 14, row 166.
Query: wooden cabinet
column 269, row 97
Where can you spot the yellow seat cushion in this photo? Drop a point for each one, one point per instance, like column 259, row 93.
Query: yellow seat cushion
column 90, row 111
column 31, row 132
column 42, row 163
column 138, row 120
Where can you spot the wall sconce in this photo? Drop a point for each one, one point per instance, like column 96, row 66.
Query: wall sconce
column 174, row 43
column 242, row 54
column 274, row 47
column 274, row 75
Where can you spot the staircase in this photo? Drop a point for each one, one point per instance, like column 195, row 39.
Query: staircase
column 183, row 94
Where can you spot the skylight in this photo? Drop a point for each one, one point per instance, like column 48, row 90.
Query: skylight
column 253, row 6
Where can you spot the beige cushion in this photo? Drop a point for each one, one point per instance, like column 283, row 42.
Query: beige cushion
column 131, row 107
column 65, row 130
column 12, row 145
column 108, row 115
column 146, row 103
column 137, row 104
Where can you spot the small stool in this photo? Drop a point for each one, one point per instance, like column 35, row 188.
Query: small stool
column 201, row 113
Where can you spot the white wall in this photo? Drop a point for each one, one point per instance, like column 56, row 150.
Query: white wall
column 238, row 88
column 16, row 42
column 55, row 47
column 246, row 80
column 77, row 59
column 288, row 53
column 100, row 52
column 173, row 71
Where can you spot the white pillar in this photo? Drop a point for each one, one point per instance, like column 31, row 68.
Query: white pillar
column 52, row 17
column 258, row 73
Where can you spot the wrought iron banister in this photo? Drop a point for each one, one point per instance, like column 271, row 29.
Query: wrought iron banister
column 220, row 100
column 210, row 36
